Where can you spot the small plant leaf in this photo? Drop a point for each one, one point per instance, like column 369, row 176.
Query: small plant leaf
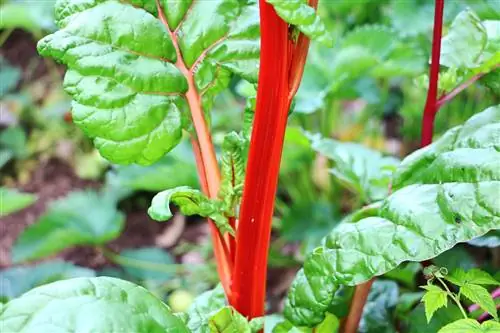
column 444, row 194
column 15, row 281
column 464, row 42
column 148, row 263
column 190, row 202
column 471, row 326
column 378, row 310
column 128, row 71
column 228, row 319
column 299, row 14
column 472, row 276
column 81, row 218
column 364, row 171
column 480, row 295
column 434, row 299
column 12, row 201
column 72, row 306
column 203, row 307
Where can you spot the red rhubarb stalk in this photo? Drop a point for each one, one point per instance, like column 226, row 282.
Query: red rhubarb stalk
column 282, row 63
column 431, row 105
column 254, row 227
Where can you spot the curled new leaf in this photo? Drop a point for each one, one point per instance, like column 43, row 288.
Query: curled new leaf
column 190, row 202
column 299, row 14
column 444, row 194
column 130, row 64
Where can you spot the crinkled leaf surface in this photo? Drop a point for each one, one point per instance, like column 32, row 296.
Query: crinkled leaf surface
column 99, row 304
column 125, row 73
column 444, row 194
column 471, row 326
column 229, row 320
column 172, row 170
column 190, row 202
column 204, row 306
column 12, row 200
column 304, row 17
column 15, row 281
column 364, row 171
column 81, row 218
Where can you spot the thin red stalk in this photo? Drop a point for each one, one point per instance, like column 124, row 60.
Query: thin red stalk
column 356, row 309
column 254, row 226
column 431, row 107
column 208, row 168
column 457, row 90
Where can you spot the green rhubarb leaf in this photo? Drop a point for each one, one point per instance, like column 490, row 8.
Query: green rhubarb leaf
column 12, row 200
column 434, row 299
column 190, row 202
column 81, row 218
column 204, row 306
column 444, row 194
column 299, row 14
column 124, row 75
column 15, row 281
column 364, row 171
column 465, row 41
column 72, row 306
column 147, row 263
column 471, row 326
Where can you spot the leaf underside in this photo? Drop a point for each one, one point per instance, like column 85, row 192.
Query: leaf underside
column 125, row 77
column 444, row 194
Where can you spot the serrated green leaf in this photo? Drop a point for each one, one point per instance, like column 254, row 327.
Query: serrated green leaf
column 127, row 84
column 416, row 320
column 81, row 218
column 434, row 299
column 471, row 326
column 15, row 281
column 444, row 194
column 481, row 297
column 190, row 202
column 364, row 171
column 12, row 200
column 473, row 276
column 204, row 306
column 299, row 14
column 72, row 305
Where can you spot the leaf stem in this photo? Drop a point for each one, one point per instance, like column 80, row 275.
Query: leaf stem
column 206, row 160
column 356, row 310
column 431, row 106
column 453, row 297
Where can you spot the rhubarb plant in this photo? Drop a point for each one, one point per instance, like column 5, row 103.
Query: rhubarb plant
column 142, row 72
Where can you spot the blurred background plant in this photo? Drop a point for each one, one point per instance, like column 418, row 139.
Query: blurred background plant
column 66, row 212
